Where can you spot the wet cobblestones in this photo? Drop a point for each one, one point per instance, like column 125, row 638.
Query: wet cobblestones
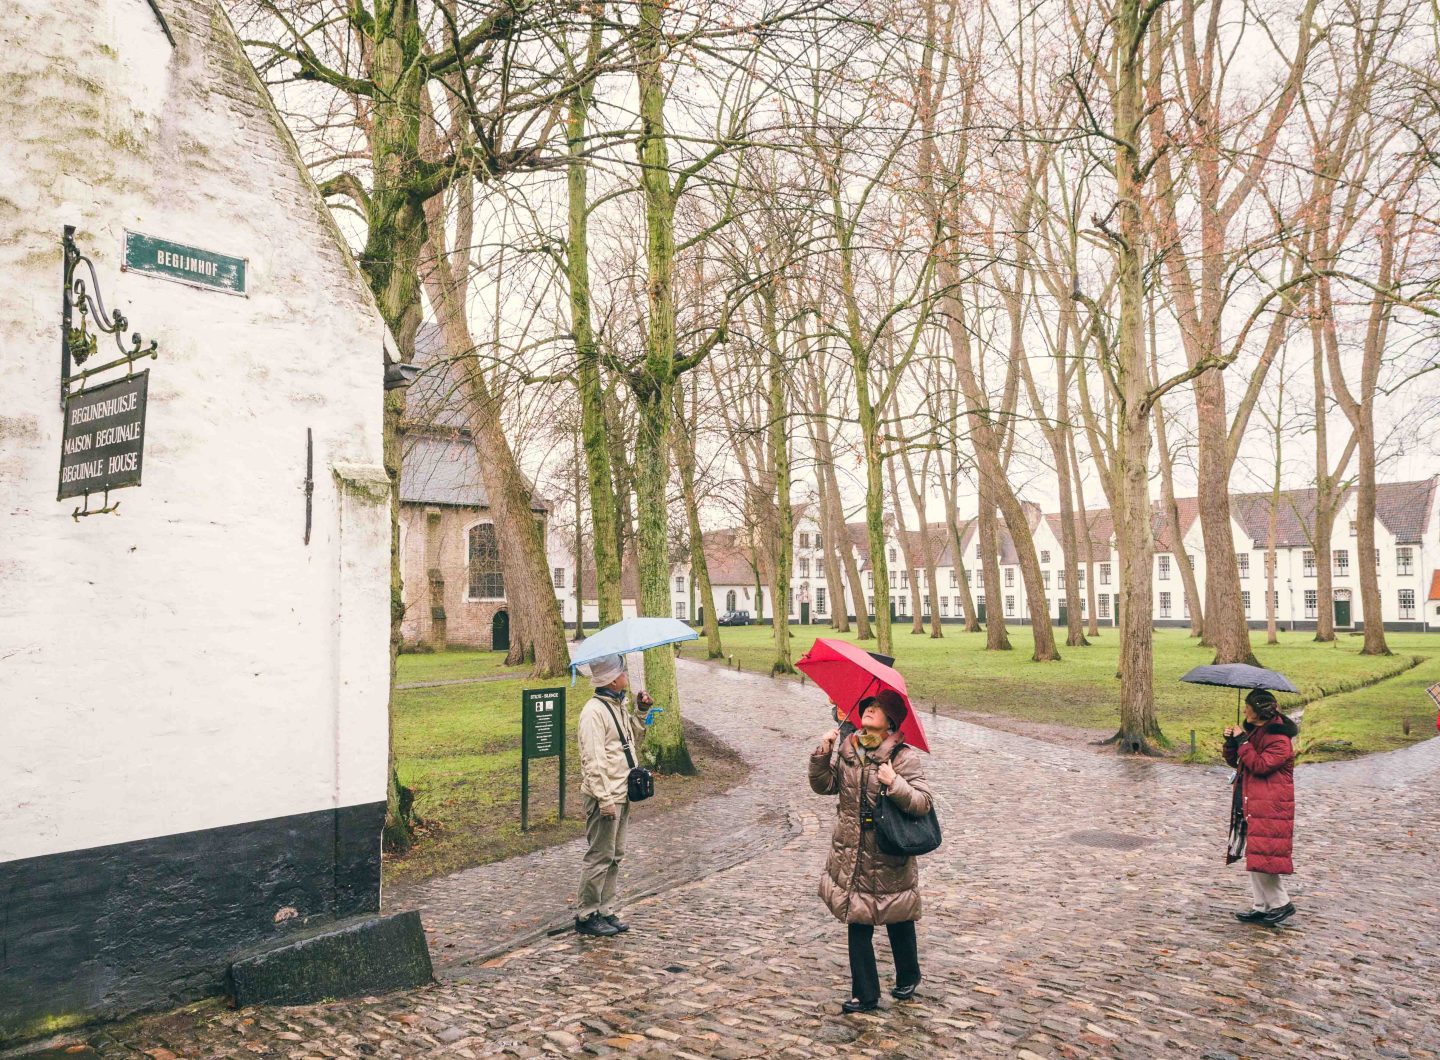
column 1079, row 907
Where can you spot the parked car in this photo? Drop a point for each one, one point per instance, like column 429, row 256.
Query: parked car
column 735, row 618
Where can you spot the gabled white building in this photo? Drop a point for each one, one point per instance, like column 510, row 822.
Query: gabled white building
column 1407, row 542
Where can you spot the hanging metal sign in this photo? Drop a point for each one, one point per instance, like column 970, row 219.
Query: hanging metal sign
column 176, row 261
column 104, row 437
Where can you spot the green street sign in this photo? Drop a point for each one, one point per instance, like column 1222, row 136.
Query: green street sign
column 544, row 722
column 542, row 735
column 184, row 264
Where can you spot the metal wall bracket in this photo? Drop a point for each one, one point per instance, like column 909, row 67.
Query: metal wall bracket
column 78, row 344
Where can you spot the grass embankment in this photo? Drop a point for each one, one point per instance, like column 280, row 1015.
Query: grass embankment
column 1081, row 690
column 459, row 749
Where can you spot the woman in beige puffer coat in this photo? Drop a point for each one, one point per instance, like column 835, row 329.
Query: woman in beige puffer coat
column 862, row 885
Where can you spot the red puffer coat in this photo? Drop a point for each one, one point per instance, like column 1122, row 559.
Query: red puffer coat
column 1266, row 763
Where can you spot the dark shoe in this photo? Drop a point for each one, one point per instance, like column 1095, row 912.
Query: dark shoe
column 614, row 921
column 1279, row 916
column 596, row 926
column 904, row 993
column 1253, row 916
column 856, row 1005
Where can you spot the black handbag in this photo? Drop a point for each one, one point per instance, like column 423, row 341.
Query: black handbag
column 901, row 834
column 639, row 782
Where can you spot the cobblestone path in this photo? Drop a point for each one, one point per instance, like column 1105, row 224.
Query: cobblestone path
column 1079, row 907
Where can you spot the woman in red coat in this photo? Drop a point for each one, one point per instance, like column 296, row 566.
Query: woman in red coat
column 1263, row 806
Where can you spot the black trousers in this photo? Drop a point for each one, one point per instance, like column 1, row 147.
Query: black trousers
column 864, row 976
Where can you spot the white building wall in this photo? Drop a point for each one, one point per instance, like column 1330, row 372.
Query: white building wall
column 188, row 662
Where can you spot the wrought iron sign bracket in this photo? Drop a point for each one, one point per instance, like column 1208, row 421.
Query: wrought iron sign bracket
column 78, row 344
column 80, row 513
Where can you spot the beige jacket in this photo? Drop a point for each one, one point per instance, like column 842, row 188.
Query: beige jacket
column 862, row 884
column 603, row 767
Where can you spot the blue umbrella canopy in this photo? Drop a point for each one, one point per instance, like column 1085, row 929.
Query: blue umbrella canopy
column 631, row 634
column 1239, row 675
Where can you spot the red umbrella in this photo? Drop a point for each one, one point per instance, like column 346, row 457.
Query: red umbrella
column 849, row 673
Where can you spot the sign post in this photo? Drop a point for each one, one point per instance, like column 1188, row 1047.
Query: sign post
column 542, row 735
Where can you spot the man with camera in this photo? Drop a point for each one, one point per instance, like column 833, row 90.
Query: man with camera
column 609, row 736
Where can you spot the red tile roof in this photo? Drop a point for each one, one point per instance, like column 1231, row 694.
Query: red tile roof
column 1434, row 585
column 1403, row 508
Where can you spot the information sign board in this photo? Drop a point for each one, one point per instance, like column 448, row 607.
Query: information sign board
column 176, row 261
column 104, row 437
column 542, row 735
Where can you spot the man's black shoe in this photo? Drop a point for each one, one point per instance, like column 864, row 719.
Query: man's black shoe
column 1279, row 916
column 904, row 993
column 1252, row 916
column 856, row 1005
column 595, row 925
column 614, row 921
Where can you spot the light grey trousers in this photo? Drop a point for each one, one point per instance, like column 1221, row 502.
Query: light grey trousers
column 1269, row 890
column 606, row 837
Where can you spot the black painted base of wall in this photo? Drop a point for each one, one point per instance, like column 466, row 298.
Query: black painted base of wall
column 99, row 933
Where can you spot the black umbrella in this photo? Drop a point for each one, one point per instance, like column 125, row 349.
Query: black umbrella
column 1239, row 676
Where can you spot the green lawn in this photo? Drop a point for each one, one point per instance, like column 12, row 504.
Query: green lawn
column 458, row 747
column 1081, row 690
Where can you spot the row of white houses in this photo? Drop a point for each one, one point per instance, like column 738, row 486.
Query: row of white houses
column 1407, row 536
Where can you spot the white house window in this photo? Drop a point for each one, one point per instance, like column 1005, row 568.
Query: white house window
column 819, row 601
column 869, row 579
column 1164, row 605
column 680, row 610
column 1044, row 555
column 1311, row 598
column 1244, row 561
column 904, row 579
column 487, row 582
column 959, row 609
column 804, row 568
column 1010, row 606
column 1307, row 564
column 977, row 551
column 730, row 600
column 954, row 579
column 1342, row 562
column 1082, row 577
column 1009, row 577
column 1104, row 605
column 1404, row 561
column 944, row 607
column 1104, row 574
column 870, row 606
column 558, row 577
column 805, row 540
column 1407, row 603
column 924, row 607
column 892, row 555
column 1164, row 568
column 1045, row 574
column 679, row 583
column 1245, row 599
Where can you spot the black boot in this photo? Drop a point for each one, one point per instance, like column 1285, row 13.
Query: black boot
column 1279, row 916
column 856, row 1005
column 904, row 993
column 1252, row 916
column 614, row 921
column 596, row 926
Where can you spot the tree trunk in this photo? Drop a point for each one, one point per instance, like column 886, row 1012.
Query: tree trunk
column 917, row 624
column 1172, row 513
column 699, row 563
column 1225, row 626
column 1093, row 623
column 844, row 547
column 830, row 553
column 927, row 551
column 578, row 587
column 654, row 382
column 606, row 543
column 997, row 636
column 1138, row 723
column 783, row 549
